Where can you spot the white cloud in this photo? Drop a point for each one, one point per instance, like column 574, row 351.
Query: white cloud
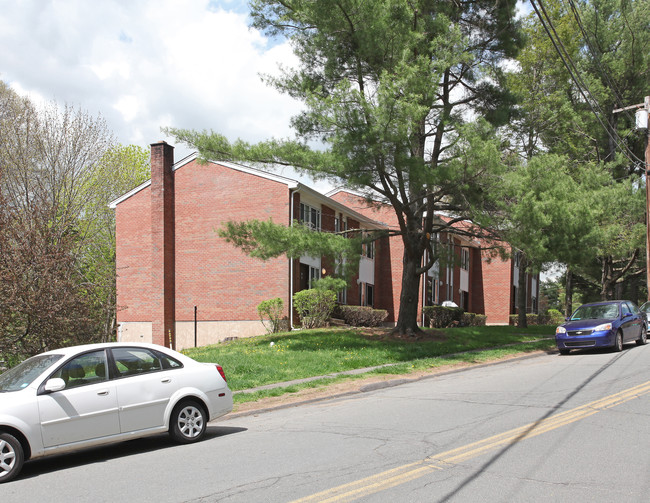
column 148, row 64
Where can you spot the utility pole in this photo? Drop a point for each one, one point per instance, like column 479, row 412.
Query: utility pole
column 642, row 118
column 647, row 185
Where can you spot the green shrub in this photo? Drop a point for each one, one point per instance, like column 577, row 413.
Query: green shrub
column 270, row 312
column 556, row 317
column 534, row 319
column 314, row 306
column 443, row 317
column 361, row 316
column 473, row 320
column 330, row 283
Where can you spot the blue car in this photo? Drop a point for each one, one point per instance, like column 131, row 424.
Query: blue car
column 608, row 324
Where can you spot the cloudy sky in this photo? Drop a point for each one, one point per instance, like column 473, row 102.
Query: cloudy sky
column 147, row 64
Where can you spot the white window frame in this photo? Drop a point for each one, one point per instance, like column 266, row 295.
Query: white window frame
column 464, row 258
column 314, row 274
column 310, row 216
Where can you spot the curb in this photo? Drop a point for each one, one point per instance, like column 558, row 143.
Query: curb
column 370, row 387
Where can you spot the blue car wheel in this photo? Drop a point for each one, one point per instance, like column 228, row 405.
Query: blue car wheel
column 618, row 342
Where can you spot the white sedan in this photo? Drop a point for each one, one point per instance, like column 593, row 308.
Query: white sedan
column 96, row 394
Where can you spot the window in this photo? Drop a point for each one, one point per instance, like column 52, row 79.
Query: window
column 23, row 374
column 464, row 259
column 314, row 274
column 88, row 368
column 134, row 361
column 337, row 224
column 368, row 250
column 370, row 295
column 310, row 216
column 366, row 294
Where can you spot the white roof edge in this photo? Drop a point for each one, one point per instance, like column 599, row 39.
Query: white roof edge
column 113, row 204
column 336, row 190
column 290, row 183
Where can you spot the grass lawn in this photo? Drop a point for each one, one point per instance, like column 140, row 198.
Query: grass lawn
column 256, row 361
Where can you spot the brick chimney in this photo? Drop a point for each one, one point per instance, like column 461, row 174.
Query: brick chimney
column 163, row 276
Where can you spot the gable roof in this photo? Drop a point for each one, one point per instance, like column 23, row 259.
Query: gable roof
column 289, row 182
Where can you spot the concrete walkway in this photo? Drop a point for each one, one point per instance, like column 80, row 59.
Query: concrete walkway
column 285, row 384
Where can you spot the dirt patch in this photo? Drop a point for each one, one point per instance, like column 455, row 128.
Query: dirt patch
column 357, row 386
column 386, row 334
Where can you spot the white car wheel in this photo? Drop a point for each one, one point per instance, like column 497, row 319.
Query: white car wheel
column 188, row 422
column 11, row 457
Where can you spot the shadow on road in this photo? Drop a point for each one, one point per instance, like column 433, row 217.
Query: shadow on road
column 88, row 456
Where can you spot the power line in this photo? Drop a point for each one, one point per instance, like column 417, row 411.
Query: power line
column 596, row 54
column 573, row 72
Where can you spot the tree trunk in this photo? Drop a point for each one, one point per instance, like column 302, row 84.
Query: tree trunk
column 568, row 298
column 521, row 292
column 407, row 321
column 607, row 278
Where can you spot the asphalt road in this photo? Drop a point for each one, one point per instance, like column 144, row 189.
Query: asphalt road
column 552, row 428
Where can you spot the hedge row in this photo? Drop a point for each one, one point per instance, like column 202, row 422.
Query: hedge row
column 553, row 317
column 443, row 317
column 361, row 316
column 473, row 320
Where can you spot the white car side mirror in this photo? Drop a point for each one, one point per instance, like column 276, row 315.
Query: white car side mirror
column 55, row 384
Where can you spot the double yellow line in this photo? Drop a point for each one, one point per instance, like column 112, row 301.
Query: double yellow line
column 405, row 473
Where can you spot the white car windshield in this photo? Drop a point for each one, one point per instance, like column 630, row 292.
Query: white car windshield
column 23, row 374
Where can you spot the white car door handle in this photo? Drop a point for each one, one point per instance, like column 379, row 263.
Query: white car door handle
column 103, row 392
column 166, row 380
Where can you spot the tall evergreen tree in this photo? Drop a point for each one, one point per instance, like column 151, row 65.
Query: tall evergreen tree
column 388, row 86
column 582, row 60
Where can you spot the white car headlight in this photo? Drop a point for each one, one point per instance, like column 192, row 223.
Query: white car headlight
column 603, row 327
column 560, row 330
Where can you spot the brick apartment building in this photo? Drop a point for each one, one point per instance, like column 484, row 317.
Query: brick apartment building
column 180, row 284
column 475, row 280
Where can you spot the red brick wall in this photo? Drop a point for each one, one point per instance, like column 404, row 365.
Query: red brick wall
column 476, row 290
column 390, row 253
column 133, row 259
column 386, row 277
column 223, row 282
column 212, row 274
column 497, row 288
